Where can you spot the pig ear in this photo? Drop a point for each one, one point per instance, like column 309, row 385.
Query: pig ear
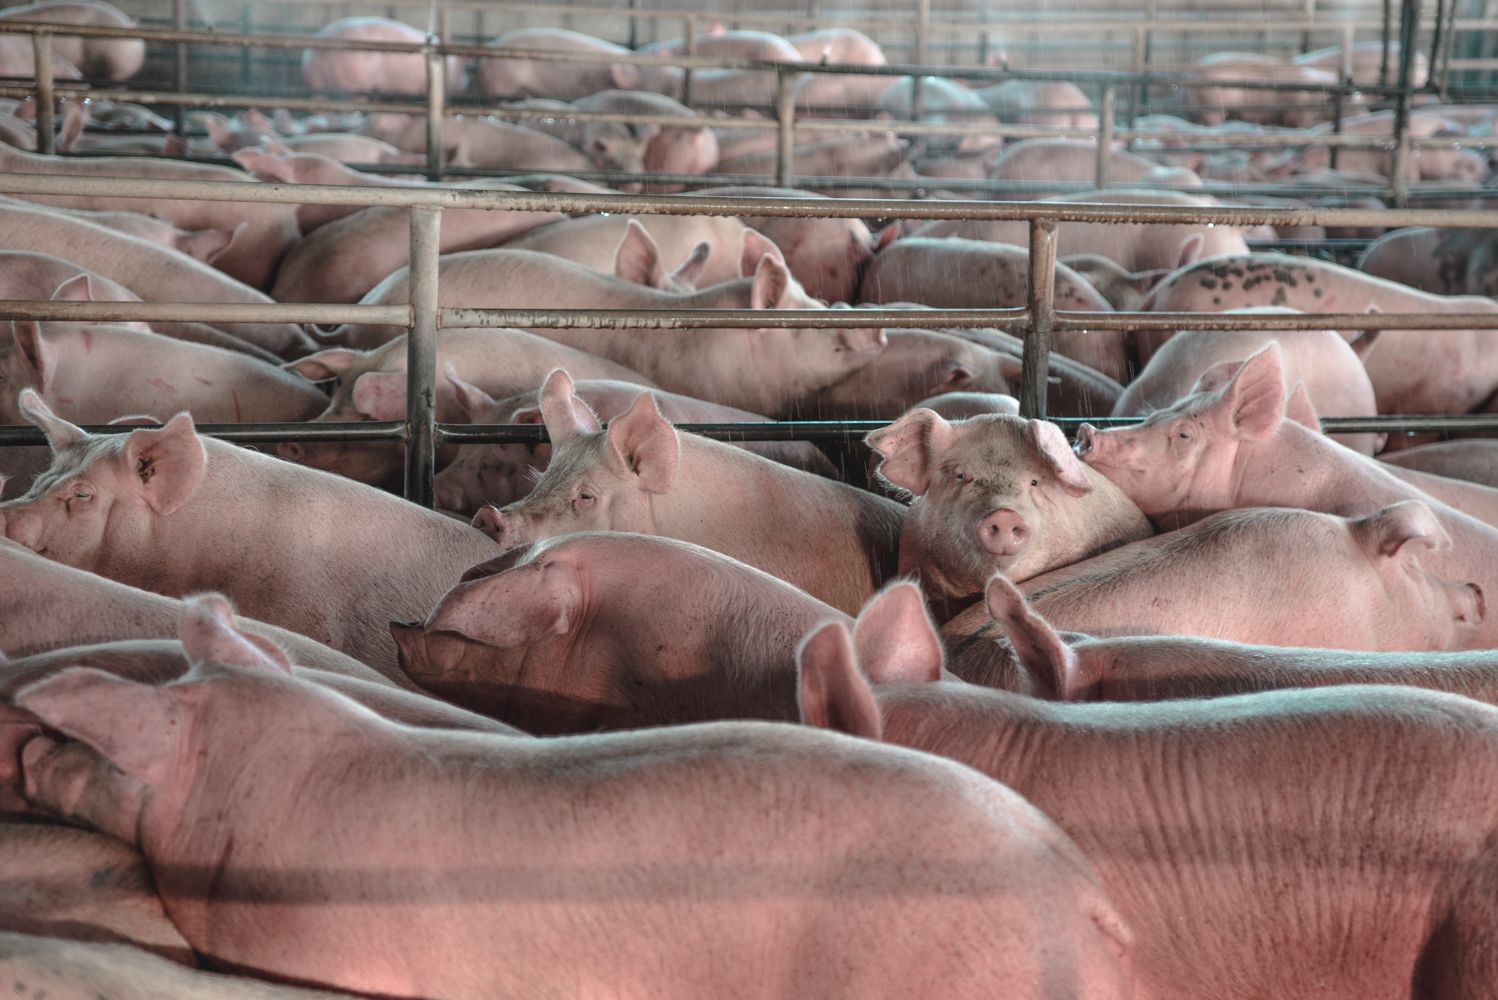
column 60, row 433
column 1216, row 377
column 833, row 694
column 1409, row 522
column 1255, row 398
column 210, row 637
column 1300, row 409
column 862, row 339
column 511, row 608
column 646, row 443
column 894, row 638
column 1045, row 659
column 207, row 244
column 909, row 448
column 772, row 285
column 625, row 76
column 886, row 236
column 1012, row 369
column 565, row 416
column 689, row 271
column 256, row 119
column 381, row 395
column 269, row 165
column 473, row 401
column 34, row 350
column 168, row 463
column 1191, row 250
column 756, row 246
column 1050, row 442
column 638, row 257
column 324, row 365
column 78, row 288
column 219, row 131
column 136, row 727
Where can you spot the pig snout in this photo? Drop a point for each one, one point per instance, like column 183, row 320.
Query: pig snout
column 21, row 528
column 1003, row 533
column 292, row 451
column 1468, row 604
column 497, row 525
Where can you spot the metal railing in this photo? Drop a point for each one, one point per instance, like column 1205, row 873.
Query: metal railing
column 1036, row 322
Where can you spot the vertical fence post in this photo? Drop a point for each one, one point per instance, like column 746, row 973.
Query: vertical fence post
column 46, row 100
column 436, row 108
column 421, row 355
column 785, row 116
column 1037, row 353
column 922, row 54
column 1140, row 98
column 180, row 22
column 1409, row 23
column 1106, row 130
column 689, row 32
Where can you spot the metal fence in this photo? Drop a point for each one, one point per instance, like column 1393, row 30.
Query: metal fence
column 423, row 316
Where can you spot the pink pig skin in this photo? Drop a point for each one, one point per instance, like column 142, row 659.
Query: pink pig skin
column 1413, row 371
column 371, row 385
column 378, row 72
column 313, row 553
column 593, row 241
column 152, row 272
column 962, row 274
column 110, row 58
column 1333, row 372
column 65, row 883
column 1024, row 654
column 60, row 968
column 1441, row 261
column 506, row 78
column 1073, row 161
column 93, row 373
column 1335, row 843
column 269, row 229
column 1474, row 461
column 511, row 828
column 611, row 630
column 996, row 494
column 1233, row 447
column 51, row 606
column 501, row 473
column 836, row 542
column 763, row 371
column 200, row 244
column 1338, row 583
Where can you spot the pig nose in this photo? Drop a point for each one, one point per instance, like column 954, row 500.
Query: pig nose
column 1003, row 533
column 292, row 451
column 1087, row 439
column 22, row 530
column 1473, row 607
column 496, row 524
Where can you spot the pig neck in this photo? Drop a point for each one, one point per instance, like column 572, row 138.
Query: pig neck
column 778, row 519
column 1112, row 518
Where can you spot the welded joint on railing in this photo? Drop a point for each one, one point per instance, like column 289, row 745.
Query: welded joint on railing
column 1036, row 365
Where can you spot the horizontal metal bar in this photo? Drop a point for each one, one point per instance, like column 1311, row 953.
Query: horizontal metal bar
column 205, row 312
column 735, row 319
column 1099, row 321
column 837, row 208
column 384, row 430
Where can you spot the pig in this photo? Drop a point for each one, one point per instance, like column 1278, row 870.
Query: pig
column 340, row 261
column 509, row 77
column 1443, row 261
column 1040, row 102
column 1073, row 389
column 1412, row 371
column 826, row 255
column 268, row 229
column 1366, row 59
column 1213, row 104
column 834, row 541
column 628, row 146
column 93, row 373
column 372, row 386
column 102, row 58
column 1072, row 161
column 838, row 46
column 500, row 474
column 152, row 272
column 679, row 150
column 1425, row 162
column 1241, row 838
column 50, row 606
column 760, row 370
column 996, row 494
column 758, row 46
column 1124, row 290
column 960, row 405
column 81, row 886
column 201, row 244
column 943, row 102
column 1134, row 246
column 639, row 247
column 876, row 155
column 1473, row 460
column 1332, row 371
column 824, row 95
column 974, row 274
column 627, row 631
column 1342, row 583
column 56, row 968
column 346, row 147
column 1018, row 877
column 1037, row 661
column 147, row 508
column 472, row 141
column 353, row 71
column 915, row 364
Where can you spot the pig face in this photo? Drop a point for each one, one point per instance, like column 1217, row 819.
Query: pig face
column 1182, row 457
column 597, row 481
column 497, row 474
column 102, row 492
column 994, row 494
column 618, row 146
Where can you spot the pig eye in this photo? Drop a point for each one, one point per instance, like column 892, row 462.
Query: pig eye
column 1035, row 482
column 585, row 499
column 80, row 495
column 1184, row 435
